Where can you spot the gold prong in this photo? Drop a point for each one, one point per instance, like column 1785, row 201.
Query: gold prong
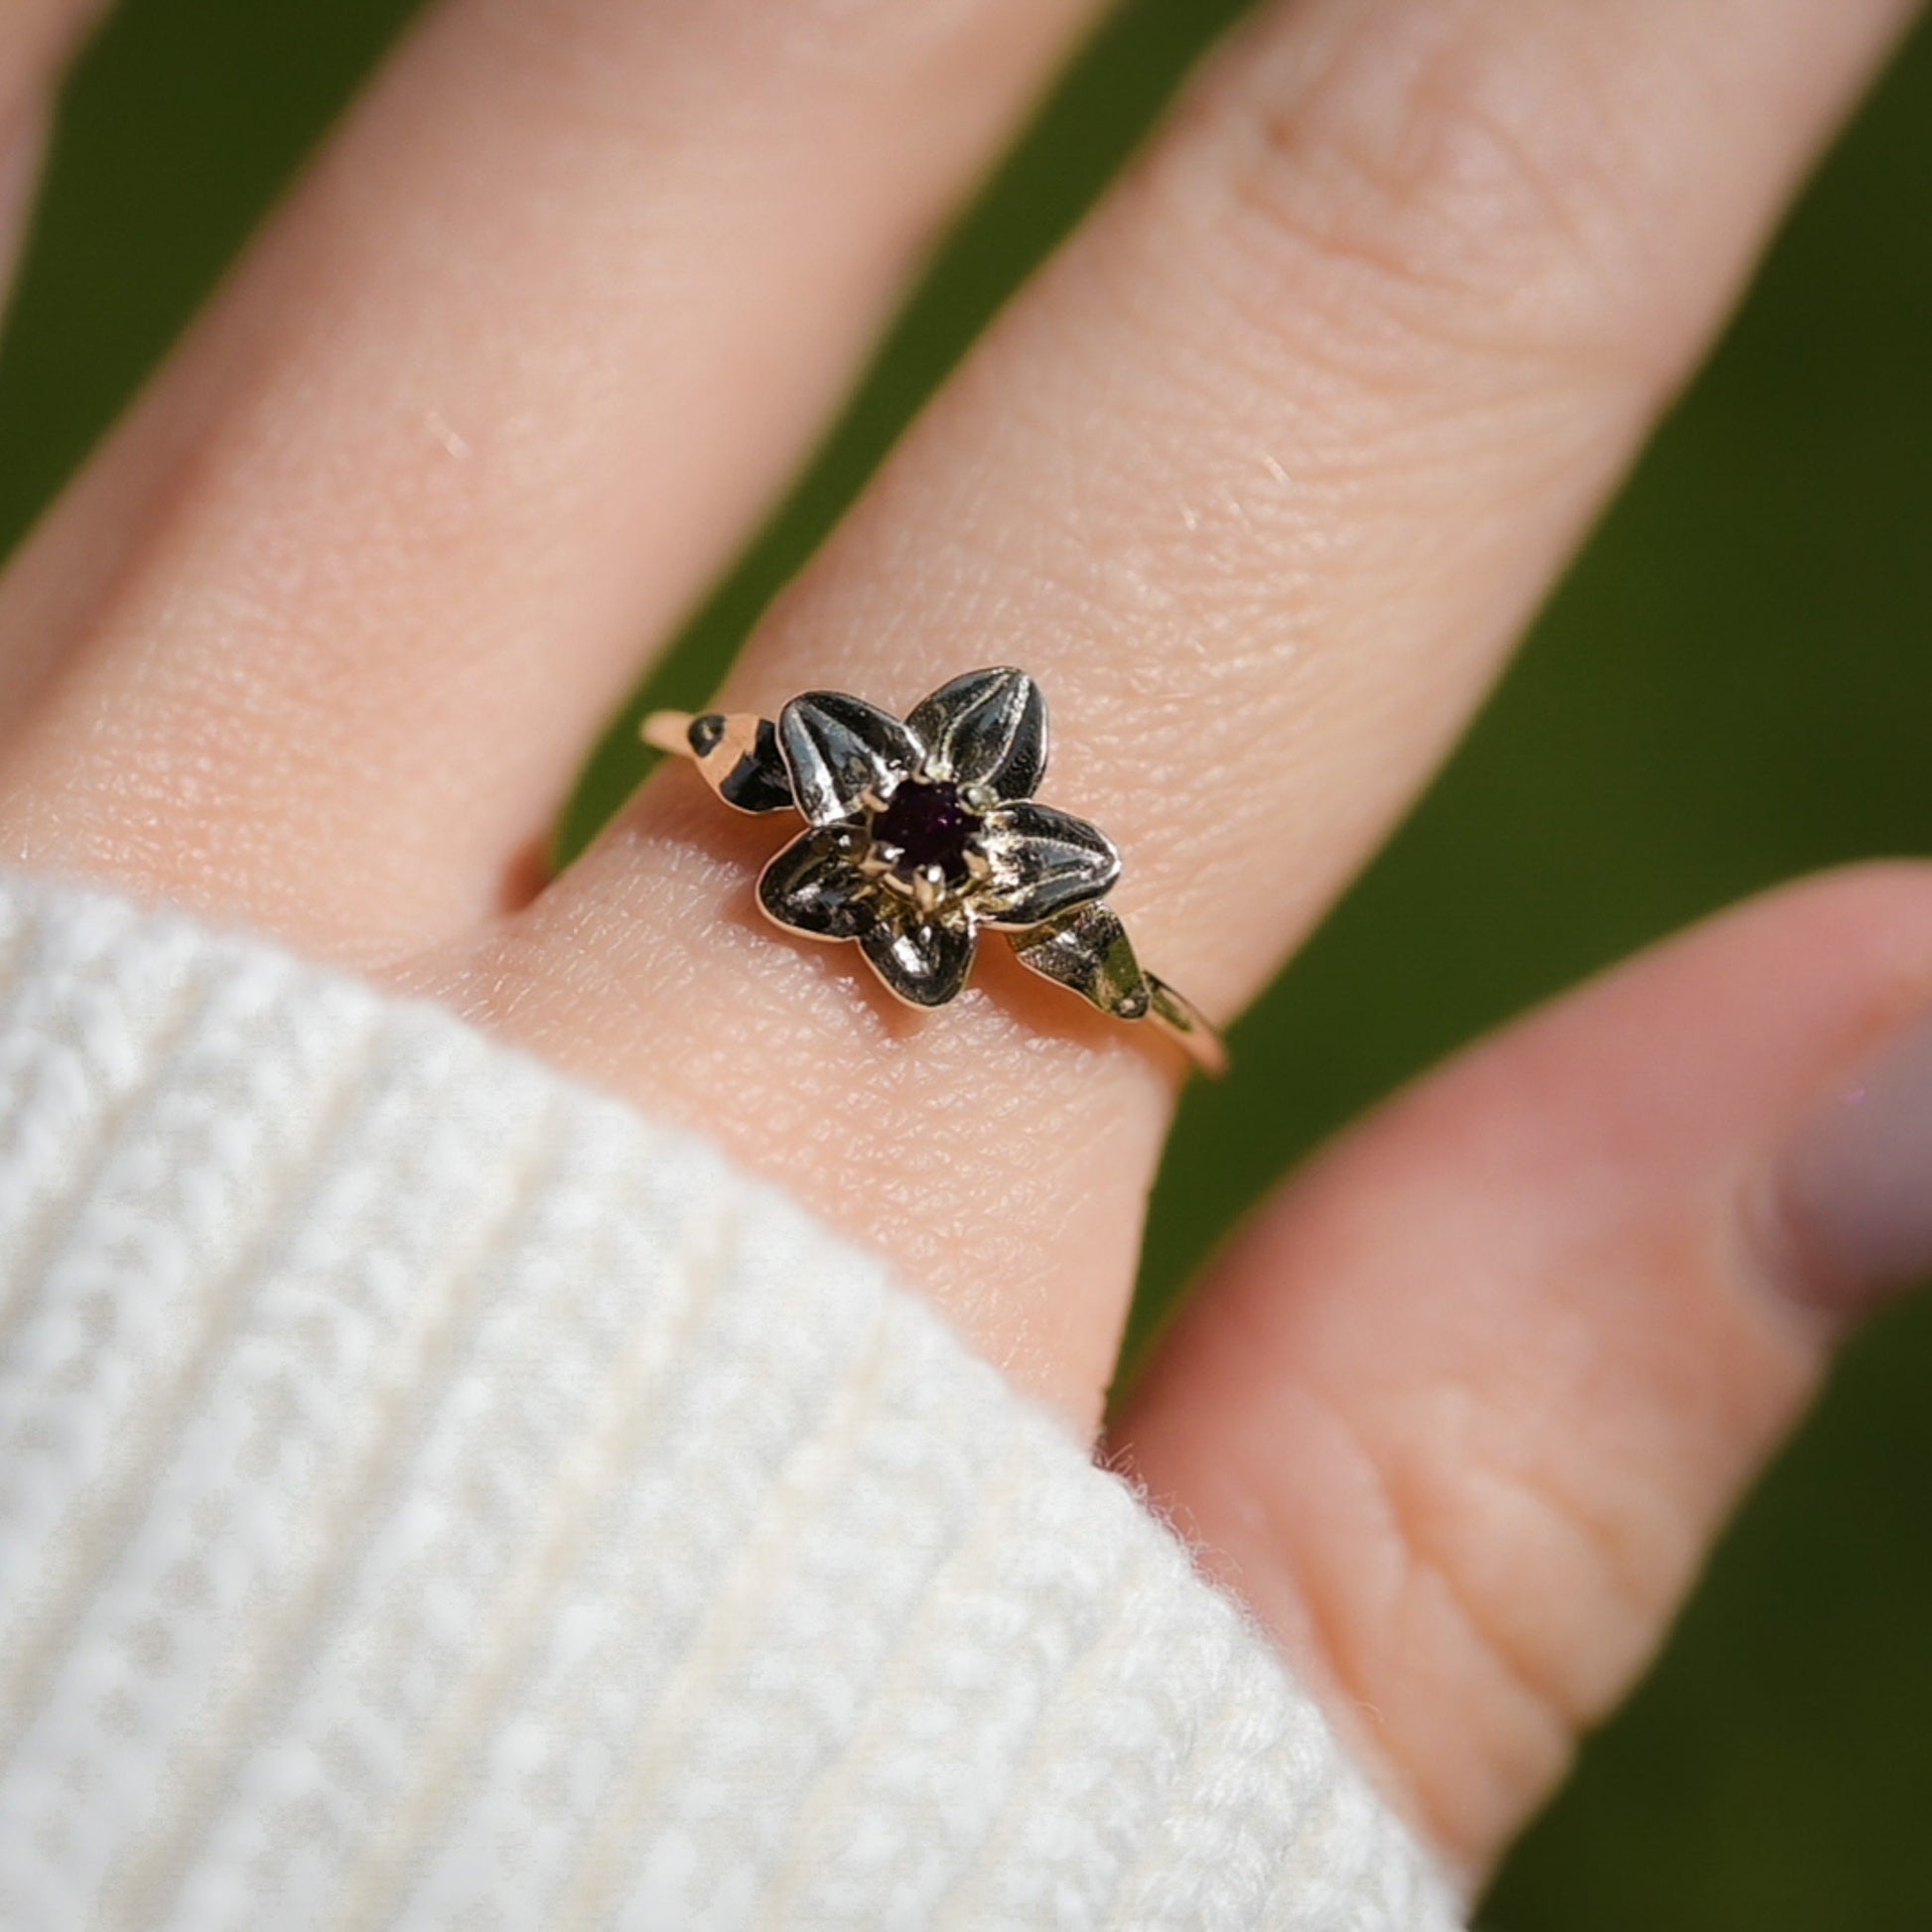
column 895, row 882
column 978, row 863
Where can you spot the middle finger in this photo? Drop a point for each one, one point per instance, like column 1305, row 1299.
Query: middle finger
column 1259, row 480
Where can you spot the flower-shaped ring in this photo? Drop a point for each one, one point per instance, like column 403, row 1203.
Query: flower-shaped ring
column 923, row 830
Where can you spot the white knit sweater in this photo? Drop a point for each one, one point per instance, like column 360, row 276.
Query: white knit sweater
column 432, row 1497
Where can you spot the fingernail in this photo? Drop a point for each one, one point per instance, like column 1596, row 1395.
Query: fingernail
column 1854, row 1187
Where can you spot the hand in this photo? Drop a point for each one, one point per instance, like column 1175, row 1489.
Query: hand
column 1260, row 479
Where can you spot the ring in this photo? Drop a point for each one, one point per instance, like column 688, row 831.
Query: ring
column 920, row 831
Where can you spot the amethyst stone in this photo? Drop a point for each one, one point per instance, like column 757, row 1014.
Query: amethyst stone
column 931, row 825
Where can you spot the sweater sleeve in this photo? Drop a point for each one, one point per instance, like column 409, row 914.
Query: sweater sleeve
column 434, row 1496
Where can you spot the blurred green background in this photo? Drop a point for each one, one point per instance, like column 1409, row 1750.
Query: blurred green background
column 1733, row 686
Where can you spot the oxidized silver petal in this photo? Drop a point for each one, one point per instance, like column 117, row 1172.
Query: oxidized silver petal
column 839, row 747
column 924, row 961
column 986, row 729
column 814, row 886
column 1045, row 862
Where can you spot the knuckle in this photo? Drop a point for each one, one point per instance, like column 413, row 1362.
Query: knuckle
column 1523, row 1566
column 1513, row 1605
column 1450, row 188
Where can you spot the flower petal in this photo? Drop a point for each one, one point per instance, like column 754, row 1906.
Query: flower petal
column 814, row 884
column 1043, row 862
column 924, row 962
column 838, row 747
column 988, row 728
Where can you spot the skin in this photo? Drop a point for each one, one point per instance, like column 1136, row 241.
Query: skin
column 1261, row 479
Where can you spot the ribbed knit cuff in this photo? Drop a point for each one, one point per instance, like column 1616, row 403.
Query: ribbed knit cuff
column 432, row 1497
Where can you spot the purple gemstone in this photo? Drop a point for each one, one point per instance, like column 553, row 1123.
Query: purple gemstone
column 931, row 825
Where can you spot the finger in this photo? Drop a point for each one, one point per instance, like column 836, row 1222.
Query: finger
column 22, row 142
column 1463, row 1408
column 1260, row 481
column 35, row 38
column 335, row 614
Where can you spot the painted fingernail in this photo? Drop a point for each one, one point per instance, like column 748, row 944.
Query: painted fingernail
column 1854, row 1189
